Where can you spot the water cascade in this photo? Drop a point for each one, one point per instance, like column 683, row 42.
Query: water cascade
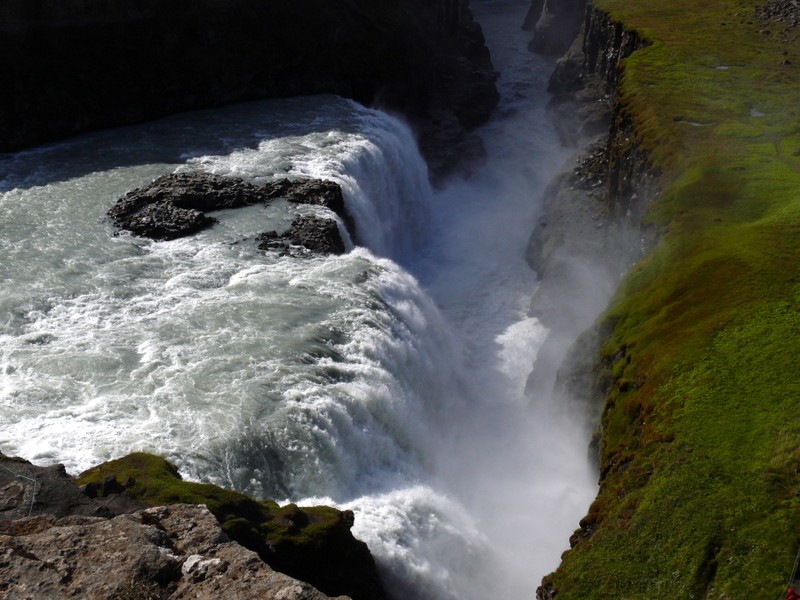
column 389, row 380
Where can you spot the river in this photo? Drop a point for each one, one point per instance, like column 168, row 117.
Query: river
column 389, row 380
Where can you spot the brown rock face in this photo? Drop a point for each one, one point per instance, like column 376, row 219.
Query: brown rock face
column 169, row 552
column 58, row 542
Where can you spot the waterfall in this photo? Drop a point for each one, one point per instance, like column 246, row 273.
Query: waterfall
column 388, row 380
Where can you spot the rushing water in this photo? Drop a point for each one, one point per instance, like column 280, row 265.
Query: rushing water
column 389, row 380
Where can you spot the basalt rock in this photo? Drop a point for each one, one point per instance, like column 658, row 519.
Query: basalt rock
column 307, row 235
column 175, row 205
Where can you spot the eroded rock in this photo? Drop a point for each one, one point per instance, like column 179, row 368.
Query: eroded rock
column 308, row 234
column 168, row 552
column 175, row 205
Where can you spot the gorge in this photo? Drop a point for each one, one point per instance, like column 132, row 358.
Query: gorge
column 426, row 382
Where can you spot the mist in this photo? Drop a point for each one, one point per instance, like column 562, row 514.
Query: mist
column 515, row 468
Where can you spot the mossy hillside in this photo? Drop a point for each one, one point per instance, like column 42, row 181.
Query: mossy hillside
column 700, row 449
column 313, row 544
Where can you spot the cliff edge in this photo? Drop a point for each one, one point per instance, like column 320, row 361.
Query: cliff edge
column 135, row 530
column 691, row 370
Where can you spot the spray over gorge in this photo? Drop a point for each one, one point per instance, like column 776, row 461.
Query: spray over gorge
column 390, row 380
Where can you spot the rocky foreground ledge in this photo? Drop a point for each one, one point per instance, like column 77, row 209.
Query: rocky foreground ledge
column 134, row 530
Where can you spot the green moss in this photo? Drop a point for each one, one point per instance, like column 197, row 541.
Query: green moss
column 289, row 538
column 700, row 441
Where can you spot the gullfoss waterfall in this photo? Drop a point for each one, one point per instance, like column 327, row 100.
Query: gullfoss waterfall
column 389, row 380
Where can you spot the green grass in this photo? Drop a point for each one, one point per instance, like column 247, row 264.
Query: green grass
column 700, row 448
column 273, row 531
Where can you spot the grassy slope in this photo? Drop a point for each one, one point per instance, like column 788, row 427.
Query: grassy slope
column 701, row 432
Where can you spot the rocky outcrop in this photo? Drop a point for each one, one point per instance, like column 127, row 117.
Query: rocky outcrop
column 589, row 233
column 175, row 205
column 157, row 536
column 784, row 13
column 554, row 24
column 77, row 65
column 307, row 235
column 169, row 553
column 313, row 544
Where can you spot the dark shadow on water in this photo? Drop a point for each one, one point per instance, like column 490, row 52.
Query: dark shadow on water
column 175, row 139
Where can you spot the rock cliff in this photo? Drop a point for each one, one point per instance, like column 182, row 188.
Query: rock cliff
column 590, row 231
column 77, row 65
column 135, row 530
column 688, row 372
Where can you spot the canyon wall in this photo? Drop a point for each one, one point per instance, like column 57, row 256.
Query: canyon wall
column 78, row 65
column 686, row 375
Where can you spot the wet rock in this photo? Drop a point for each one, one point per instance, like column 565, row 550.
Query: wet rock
column 318, row 192
column 307, row 235
column 175, row 205
column 164, row 221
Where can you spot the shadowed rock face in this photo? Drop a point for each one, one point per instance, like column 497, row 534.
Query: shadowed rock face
column 554, row 24
column 306, row 235
column 76, row 65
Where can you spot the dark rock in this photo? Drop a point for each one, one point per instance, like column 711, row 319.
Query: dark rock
column 784, row 12
column 319, row 193
column 174, row 206
column 307, row 234
column 165, row 221
column 557, row 22
column 533, row 14
column 546, row 591
column 202, row 192
column 28, row 490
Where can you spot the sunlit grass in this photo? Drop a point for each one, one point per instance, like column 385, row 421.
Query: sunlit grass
column 701, row 433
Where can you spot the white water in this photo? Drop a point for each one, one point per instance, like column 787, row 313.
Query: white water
column 389, row 380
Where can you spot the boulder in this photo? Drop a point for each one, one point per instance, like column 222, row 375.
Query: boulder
column 308, row 234
column 175, row 205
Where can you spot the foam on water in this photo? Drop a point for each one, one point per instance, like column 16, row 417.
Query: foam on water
column 388, row 380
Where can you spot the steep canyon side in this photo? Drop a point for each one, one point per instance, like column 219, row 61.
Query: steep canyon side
column 694, row 151
column 80, row 65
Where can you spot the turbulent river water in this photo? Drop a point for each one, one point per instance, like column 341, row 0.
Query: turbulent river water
column 389, row 380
